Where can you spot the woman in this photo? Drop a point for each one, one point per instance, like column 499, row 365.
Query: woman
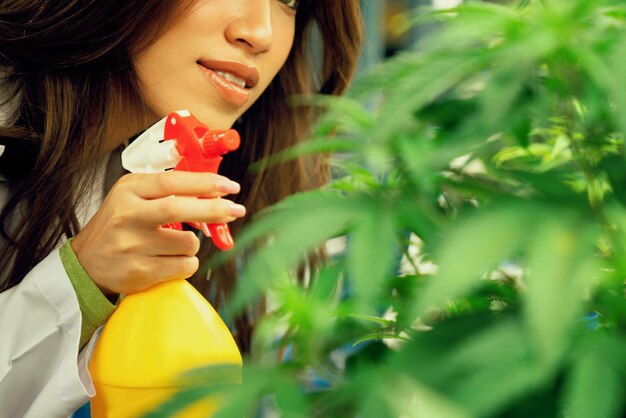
column 81, row 77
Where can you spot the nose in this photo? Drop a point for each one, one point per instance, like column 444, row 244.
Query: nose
column 251, row 25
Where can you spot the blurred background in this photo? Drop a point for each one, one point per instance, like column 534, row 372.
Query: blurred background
column 383, row 20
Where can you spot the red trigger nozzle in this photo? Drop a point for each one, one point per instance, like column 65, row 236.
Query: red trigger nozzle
column 216, row 143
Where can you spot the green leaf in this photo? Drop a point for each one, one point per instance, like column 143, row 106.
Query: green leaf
column 344, row 115
column 472, row 246
column 617, row 81
column 375, row 319
column 281, row 215
column 428, row 80
column 290, row 400
column 498, row 369
column 310, row 220
column 469, row 24
column 379, row 336
column 595, row 386
column 498, row 101
column 478, row 362
column 325, row 283
column 562, row 267
column 431, row 404
column 311, row 147
column 372, row 251
column 180, row 401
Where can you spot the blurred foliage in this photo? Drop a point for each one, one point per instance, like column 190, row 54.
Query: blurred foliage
column 480, row 190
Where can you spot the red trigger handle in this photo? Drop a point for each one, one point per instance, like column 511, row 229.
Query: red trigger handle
column 201, row 150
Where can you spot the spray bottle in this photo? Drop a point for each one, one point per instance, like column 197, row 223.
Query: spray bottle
column 161, row 332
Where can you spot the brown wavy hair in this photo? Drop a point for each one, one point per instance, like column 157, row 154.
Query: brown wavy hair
column 65, row 62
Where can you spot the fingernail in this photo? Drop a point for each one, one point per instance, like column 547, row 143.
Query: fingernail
column 228, row 186
column 236, row 210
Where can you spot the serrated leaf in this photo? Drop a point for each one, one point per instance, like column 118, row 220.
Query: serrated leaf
column 281, row 215
column 424, row 85
column 298, row 227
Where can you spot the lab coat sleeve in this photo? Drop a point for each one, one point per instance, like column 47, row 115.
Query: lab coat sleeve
column 41, row 373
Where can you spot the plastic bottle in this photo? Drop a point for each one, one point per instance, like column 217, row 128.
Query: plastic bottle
column 157, row 334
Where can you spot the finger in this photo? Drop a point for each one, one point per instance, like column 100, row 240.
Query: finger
column 169, row 242
column 172, row 267
column 185, row 209
column 144, row 272
column 180, row 183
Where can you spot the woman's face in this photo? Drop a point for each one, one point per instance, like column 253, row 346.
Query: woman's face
column 217, row 59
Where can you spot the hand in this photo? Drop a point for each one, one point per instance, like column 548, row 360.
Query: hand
column 123, row 247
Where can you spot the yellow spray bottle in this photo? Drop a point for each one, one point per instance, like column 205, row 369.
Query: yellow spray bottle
column 157, row 334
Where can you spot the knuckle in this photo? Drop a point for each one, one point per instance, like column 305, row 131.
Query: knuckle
column 215, row 180
column 127, row 246
column 170, row 209
column 137, row 271
column 119, row 218
column 218, row 208
column 191, row 243
column 125, row 182
column 116, row 221
column 163, row 183
column 189, row 266
column 123, row 217
column 117, row 243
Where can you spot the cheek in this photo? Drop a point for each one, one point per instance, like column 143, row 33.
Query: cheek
column 157, row 76
column 149, row 76
column 283, row 42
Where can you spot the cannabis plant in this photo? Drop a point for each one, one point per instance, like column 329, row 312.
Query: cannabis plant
column 475, row 230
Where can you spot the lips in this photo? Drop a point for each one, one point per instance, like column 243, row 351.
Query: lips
column 229, row 90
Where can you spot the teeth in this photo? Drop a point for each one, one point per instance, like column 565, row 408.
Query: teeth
column 232, row 78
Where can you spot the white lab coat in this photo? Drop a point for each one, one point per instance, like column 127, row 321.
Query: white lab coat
column 42, row 373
